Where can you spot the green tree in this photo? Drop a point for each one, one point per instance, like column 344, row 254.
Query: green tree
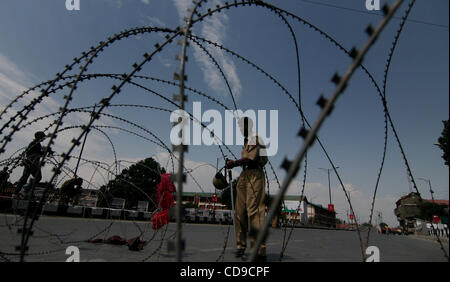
column 443, row 141
column 137, row 183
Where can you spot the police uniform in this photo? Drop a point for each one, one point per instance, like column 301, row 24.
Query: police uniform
column 250, row 205
column 33, row 153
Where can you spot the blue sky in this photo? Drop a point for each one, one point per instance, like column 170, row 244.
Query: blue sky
column 38, row 38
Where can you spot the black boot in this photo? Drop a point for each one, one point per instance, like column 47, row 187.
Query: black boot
column 239, row 253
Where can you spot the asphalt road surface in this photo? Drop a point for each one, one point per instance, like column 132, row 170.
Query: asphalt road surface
column 204, row 243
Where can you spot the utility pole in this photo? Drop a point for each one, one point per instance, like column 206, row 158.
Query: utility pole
column 348, row 217
column 429, row 184
column 329, row 185
column 215, row 191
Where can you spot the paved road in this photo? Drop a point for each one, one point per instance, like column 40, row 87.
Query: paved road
column 203, row 243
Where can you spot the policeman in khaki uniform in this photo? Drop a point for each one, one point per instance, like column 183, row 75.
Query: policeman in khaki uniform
column 250, row 205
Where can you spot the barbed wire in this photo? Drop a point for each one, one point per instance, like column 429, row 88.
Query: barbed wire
column 292, row 167
column 17, row 121
column 391, row 53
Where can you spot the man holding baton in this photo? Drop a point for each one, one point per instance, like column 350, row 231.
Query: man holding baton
column 250, row 205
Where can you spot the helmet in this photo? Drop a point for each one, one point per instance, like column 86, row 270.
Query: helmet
column 220, row 181
column 39, row 135
column 78, row 181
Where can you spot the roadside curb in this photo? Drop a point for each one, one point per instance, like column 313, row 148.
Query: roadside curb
column 430, row 238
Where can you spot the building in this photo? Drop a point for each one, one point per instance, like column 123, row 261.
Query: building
column 203, row 201
column 445, row 205
column 299, row 210
column 88, row 198
column 318, row 215
column 294, row 209
column 408, row 209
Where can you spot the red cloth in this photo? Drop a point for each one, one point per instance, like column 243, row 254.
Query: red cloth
column 116, row 240
column 160, row 219
column 165, row 189
column 95, row 241
column 165, row 199
column 135, row 244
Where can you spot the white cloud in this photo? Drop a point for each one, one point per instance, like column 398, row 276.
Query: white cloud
column 182, row 6
column 156, row 21
column 165, row 61
column 146, row 2
column 6, row 66
column 213, row 28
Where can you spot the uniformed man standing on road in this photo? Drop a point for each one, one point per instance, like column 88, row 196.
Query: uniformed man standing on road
column 250, row 203
column 31, row 164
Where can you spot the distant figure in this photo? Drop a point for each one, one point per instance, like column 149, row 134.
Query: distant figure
column 70, row 191
column 4, row 176
column 379, row 230
column 33, row 153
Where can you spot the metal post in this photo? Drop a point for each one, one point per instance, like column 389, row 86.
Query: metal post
column 214, row 205
column 215, row 192
column 182, row 98
column 329, row 183
column 431, row 191
column 217, row 165
column 329, row 187
column 232, row 200
column 429, row 185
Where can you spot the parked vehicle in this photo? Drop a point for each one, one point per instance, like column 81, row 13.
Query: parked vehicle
column 396, row 231
column 193, row 215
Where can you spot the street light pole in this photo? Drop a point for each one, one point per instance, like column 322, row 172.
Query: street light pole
column 429, row 184
column 329, row 185
column 215, row 192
